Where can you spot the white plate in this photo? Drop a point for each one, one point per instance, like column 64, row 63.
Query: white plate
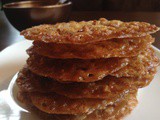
column 13, row 58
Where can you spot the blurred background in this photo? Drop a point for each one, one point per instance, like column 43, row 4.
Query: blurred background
column 111, row 5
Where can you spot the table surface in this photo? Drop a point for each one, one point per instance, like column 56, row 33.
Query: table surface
column 9, row 35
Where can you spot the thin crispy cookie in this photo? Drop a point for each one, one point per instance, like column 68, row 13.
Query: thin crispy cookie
column 112, row 112
column 108, row 88
column 140, row 65
column 53, row 103
column 75, row 70
column 88, row 31
column 103, row 49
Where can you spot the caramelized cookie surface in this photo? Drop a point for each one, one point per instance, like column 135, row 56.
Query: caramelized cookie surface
column 75, row 70
column 112, row 112
column 88, row 31
column 108, row 88
column 139, row 66
column 103, row 49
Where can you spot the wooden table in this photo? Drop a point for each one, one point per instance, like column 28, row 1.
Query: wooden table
column 9, row 35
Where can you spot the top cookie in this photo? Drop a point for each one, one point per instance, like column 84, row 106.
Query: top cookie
column 88, row 31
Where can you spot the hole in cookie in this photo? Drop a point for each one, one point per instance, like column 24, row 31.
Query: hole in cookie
column 43, row 104
column 90, row 75
column 84, row 69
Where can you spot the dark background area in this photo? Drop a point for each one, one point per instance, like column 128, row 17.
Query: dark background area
column 111, row 5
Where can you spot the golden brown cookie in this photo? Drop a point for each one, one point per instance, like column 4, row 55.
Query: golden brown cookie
column 53, row 103
column 88, row 31
column 75, row 70
column 112, row 112
column 92, row 70
column 127, row 47
column 109, row 88
column 140, row 65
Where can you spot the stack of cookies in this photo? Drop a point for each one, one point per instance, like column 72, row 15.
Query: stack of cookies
column 87, row 70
